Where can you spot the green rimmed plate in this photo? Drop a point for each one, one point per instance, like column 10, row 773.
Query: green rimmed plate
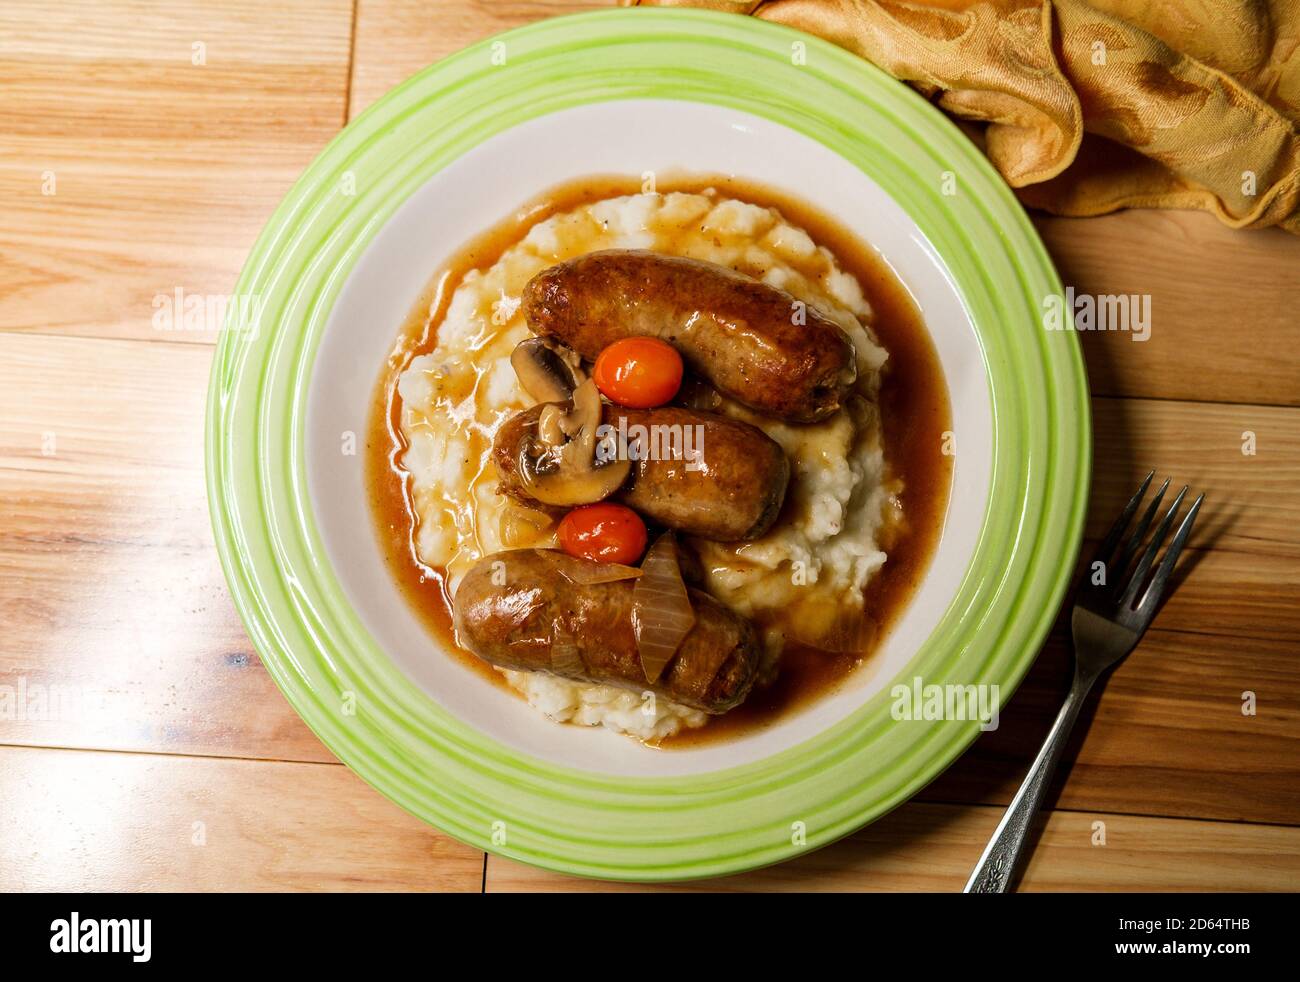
column 449, row 153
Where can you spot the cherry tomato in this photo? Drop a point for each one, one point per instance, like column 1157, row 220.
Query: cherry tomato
column 639, row 372
column 605, row 532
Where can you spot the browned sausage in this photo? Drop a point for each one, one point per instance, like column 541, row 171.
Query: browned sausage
column 519, row 610
column 742, row 335
column 730, row 489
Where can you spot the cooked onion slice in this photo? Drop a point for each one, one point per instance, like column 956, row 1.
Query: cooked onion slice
column 662, row 614
column 588, row 572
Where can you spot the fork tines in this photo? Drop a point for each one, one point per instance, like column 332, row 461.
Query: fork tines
column 1127, row 589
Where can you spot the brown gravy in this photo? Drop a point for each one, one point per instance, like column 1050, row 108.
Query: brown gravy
column 914, row 408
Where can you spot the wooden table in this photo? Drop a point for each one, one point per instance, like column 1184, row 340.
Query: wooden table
column 142, row 146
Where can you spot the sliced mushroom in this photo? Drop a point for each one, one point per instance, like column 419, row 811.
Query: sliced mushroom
column 544, row 375
column 550, row 425
column 556, row 471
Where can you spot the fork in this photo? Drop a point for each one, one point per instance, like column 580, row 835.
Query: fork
column 1109, row 619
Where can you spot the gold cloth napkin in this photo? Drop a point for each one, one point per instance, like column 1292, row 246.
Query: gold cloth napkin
column 1092, row 107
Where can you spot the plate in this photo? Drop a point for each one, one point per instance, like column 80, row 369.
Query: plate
column 456, row 149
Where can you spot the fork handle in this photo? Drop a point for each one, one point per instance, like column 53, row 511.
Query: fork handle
column 1002, row 856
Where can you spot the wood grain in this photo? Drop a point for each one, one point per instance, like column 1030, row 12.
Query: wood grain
column 397, row 38
column 129, row 172
column 1223, row 304
column 1164, row 735
column 1167, row 735
column 113, row 598
column 934, row 847
column 1252, row 499
column 86, row 821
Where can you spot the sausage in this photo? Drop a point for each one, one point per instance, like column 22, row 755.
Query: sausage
column 729, row 489
column 739, row 333
column 521, row 609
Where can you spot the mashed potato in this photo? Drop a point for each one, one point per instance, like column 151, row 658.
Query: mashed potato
column 795, row 581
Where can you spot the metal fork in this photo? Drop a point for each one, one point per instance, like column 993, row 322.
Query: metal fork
column 1109, row 619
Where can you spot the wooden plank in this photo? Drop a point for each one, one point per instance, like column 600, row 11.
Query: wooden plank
column 934, row 847
column 114, row 600
column 129, row 172
column 1252, row 499
column 397, row 38
column 1223, row 304
column 112, row 592
column 87, row 821
column 1165, row 735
